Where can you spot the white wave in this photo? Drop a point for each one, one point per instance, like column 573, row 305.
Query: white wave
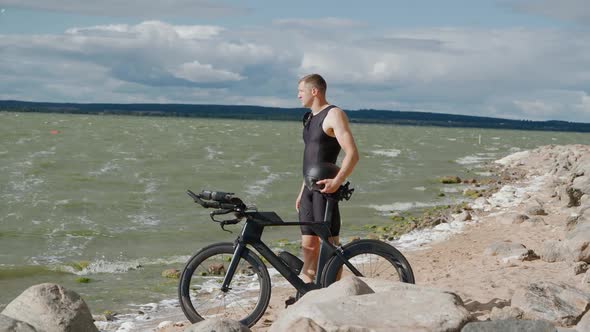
column 401, row 206
column 106, row 168
column 212, row 153
column 26, row 185
column 419, row 188
column 122, row 266
column 419, row 238
column 484, row 173
column 474, row 159
column 43, row 153
column 144, row 219
column 259, row 187
column 391, row 153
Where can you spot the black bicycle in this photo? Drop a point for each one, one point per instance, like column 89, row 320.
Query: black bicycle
column 229, row 280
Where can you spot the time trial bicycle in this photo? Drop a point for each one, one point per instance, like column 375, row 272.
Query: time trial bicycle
column 230, row 280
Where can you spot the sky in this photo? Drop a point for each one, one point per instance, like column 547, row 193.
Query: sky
column 518, row 59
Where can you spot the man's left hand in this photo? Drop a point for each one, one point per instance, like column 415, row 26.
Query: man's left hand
column 330, row 185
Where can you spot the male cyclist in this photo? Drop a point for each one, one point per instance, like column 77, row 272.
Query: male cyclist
column 325, row 133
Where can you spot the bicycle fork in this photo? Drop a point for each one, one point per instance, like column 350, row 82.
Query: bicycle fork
column 233, row 265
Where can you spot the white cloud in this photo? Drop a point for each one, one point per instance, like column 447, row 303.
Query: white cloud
column 327, row 22
column 148, row 28
column 133, row 8
column 516, row 72
column 567, row 10
column 565, row 105
column 196, row 72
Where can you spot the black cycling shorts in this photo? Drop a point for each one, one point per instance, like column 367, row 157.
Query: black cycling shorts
column 312, row 208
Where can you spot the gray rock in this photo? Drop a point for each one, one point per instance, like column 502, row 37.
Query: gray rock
column 580, row 267
column 51, row 308
column 578, row 242
column 464, row 216
column 565, row 329
column 505, row 313
column 574, row 195
column 348, row 286
column 580, row 186
column 571, row 222
column 308, row 325
column 584, row 323
column 559, row 304
column 586, row 280
column 554, row 251
column 217, row 325
column 404, row 307
column 537, row 220
column 519, row 218
column 510, row 325
column 508, row 251
column 8, row 324
column 536, row 211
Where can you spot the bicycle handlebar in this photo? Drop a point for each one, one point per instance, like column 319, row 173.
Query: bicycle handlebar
column 218, row 200
column 226, row 202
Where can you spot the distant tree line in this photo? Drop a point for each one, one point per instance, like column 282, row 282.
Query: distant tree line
column 290, row 114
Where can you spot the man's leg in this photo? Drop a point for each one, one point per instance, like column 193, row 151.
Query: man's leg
column 310, row 245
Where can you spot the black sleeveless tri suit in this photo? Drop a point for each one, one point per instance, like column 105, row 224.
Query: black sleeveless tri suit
column 319, row 147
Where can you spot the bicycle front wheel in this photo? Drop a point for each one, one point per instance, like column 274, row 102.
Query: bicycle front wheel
column 200, row 291
column 373, row 259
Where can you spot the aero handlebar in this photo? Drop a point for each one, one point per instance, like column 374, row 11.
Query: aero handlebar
column 217, row 200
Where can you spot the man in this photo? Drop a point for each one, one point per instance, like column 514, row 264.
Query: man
column 325, row 133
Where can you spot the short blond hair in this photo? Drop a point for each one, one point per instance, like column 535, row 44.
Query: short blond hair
column 316, row 81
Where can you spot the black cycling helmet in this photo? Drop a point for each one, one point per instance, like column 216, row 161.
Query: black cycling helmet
column 318, row 172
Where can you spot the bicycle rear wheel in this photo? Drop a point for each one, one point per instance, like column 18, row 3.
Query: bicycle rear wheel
column 200, row 291
column 373, row 259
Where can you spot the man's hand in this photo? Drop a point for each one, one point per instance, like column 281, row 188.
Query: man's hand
column 330, row 185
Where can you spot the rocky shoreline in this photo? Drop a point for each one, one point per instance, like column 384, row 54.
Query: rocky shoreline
column 521, row 258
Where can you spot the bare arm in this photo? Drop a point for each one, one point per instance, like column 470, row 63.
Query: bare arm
column 336, row 123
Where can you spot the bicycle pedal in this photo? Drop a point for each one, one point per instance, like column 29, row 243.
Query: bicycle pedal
column 292, row 261
column 292, row 299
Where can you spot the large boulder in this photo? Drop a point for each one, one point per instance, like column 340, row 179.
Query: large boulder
column 584, row 323
column 578, row 239
column 403, row 307
column 555, row 251
column 51, row 308
column 580, row 186
column 559, row 304
column 217, row 325
column 8, row 324
column 509, row 251
column 348, row 286
column 510, row 325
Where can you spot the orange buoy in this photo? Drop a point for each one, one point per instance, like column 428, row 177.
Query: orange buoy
column 54, row 132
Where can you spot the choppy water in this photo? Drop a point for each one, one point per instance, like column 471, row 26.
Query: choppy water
column 110, row 190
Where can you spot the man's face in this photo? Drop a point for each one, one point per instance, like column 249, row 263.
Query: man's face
column 305, row 94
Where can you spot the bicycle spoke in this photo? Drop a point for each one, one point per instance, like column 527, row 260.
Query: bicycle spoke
column 242, row 297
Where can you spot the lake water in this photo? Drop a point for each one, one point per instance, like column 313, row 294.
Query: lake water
column 110, row 190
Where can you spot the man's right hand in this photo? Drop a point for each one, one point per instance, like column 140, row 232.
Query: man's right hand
column 297, row 202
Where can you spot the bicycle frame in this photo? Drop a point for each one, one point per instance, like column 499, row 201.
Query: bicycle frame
column 251, row 235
